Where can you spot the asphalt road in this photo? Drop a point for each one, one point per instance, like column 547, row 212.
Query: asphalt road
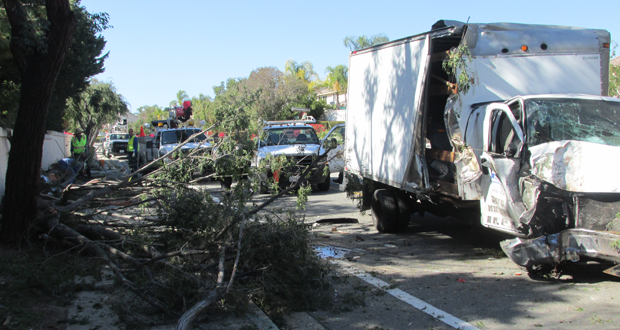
column 442, row 274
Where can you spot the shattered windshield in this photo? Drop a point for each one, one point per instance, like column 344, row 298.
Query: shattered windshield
column 595, row 121
column 297, row 135
column 178, row 136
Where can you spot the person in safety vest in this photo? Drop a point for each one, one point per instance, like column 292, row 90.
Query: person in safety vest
column 132, row 151
column 79, row 149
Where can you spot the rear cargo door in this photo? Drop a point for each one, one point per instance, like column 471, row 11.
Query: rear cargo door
column 384, row 109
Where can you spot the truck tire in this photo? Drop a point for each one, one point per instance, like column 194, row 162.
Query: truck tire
column 325, row 185
column 384, row 211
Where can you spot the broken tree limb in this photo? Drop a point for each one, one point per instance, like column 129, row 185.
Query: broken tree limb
column 234, row 270
column 186, row 320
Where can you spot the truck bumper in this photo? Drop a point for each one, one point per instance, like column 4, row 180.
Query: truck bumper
column 570, row 244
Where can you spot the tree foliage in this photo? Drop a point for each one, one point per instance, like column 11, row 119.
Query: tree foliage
column 273, row 93
column 304, row 71
column 82, row 61
column 614, row 80
column 337, row 80
column 455, row 65
column 357, row 43
column 148, row 113
column 181, row 96
column 99, row 104
column 203, row 109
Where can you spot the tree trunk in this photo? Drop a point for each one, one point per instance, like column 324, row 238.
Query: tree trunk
column 38, row 70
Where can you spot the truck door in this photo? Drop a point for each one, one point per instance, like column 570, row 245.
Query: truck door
column 384, row 116
column 335, row 156
column 501, row 205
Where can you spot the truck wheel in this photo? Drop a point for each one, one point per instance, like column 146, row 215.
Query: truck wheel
column 384, row 211
column 325, row 185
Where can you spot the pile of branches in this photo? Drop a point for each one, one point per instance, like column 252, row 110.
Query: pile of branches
column 183, row 249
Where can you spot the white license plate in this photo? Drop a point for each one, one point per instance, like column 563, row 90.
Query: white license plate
column 121, row 151
column 293, row 178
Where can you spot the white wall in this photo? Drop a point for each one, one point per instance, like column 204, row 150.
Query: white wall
column 332, row 115
column 56, row 146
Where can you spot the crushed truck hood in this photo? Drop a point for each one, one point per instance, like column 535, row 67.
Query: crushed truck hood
column 577, row 166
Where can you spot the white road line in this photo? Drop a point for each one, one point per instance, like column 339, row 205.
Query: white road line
column 409, row 299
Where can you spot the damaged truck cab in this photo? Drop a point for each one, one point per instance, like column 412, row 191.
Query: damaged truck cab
column 516, row 145
column 543, row 178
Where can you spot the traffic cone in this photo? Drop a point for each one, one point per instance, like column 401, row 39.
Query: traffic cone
column 141, row 132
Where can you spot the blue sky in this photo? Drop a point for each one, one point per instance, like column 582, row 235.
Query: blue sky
column 160, row 47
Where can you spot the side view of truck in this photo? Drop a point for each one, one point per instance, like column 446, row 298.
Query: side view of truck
column 521, row 151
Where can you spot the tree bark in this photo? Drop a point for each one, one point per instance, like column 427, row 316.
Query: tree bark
column 39, row 67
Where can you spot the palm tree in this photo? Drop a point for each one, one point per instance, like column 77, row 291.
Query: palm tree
column 357, row 43
column 303, row 70
column 181, row 96
column 337, row 79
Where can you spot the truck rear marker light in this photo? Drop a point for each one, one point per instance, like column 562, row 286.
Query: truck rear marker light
column 543, row 46
column 524, row 48
column 606, row 45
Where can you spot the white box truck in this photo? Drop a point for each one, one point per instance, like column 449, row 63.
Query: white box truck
column 520, row 151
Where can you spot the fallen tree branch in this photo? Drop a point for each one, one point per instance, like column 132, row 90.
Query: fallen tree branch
column 186, row 320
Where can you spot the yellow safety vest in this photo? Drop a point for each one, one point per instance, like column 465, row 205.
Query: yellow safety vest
column 130, row 144
column 79, row 145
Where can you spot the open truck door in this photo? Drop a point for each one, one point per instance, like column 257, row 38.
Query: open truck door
column 384, row 117
column 501, row 205
column 335, row 156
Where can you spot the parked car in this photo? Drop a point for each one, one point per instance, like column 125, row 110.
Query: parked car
column 116, row 144
column 299, row 143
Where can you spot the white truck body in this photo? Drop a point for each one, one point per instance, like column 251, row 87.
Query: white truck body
column 388, row 85
column 422, row 144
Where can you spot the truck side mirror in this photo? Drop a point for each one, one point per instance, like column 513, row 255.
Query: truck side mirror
column 485, row 164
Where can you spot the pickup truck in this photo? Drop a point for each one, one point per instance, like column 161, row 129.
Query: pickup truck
column 116, row 144
column 298, row 142
column 167, row 139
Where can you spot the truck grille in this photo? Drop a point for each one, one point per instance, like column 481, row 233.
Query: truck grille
column 119, row 145
column 303, row 160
